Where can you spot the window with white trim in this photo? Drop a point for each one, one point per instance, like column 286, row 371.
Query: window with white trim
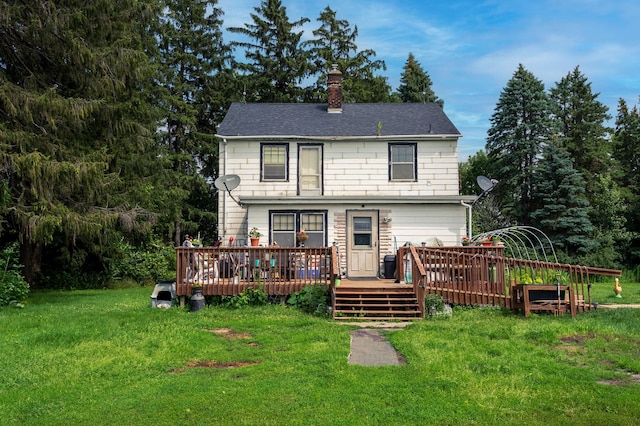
column 310, row 169
column 274, row 159
column 403, row 162
column 286, row 224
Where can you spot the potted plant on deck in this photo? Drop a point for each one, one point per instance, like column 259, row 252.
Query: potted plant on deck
column 466, row 241
column 254, row 236
column 302, row 236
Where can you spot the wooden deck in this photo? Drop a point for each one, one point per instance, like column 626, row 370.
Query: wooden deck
column 460, row 275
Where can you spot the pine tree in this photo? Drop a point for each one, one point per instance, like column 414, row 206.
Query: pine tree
column 626, row 152
column 76, row 128
column 335, row 43
column 582, row 131
column 194, row 69
column 520, row 125
column 562, row 207
column 415, row 83
column 584, row 134
column 277, row 62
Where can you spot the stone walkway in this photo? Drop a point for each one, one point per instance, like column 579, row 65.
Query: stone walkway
column 370, row 348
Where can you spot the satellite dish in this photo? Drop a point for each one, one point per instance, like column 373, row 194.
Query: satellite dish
column 485, row 183
column 227, row 182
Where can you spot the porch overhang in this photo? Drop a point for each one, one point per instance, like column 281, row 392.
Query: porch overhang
column 334, row 200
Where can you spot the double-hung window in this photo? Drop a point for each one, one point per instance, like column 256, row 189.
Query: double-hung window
column 274, row 162
column 286, row 224
column 403, row 162
column 310, row 169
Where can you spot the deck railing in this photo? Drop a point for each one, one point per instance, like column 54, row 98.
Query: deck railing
column 477, row 275
column 280, row 271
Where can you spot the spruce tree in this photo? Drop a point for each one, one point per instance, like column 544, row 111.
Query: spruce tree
column 520, row 125
column 277, row 62
column 76, row 128
column 335, row 43
column 415, row 83
column 626, row 152
column 582, row 126
column 584, row 134
column 561, row 205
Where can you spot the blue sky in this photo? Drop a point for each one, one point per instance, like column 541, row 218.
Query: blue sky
column 471, row 48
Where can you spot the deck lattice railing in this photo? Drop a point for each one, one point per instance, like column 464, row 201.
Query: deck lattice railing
column 477, row 275
column 230, row 270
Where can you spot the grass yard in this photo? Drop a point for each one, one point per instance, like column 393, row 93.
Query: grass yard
column 602, row 292
column 106, row 357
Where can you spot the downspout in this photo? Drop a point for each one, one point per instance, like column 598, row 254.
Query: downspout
column 224, row 198
column 469, row 214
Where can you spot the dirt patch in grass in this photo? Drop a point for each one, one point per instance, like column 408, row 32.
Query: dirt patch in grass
column 630, row 379
column 213, row 364
column 228, row 333
column 577, row 338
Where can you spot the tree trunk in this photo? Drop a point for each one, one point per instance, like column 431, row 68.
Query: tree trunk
column 31, row 258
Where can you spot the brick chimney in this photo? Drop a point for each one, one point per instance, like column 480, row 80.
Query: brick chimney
column 334, row 90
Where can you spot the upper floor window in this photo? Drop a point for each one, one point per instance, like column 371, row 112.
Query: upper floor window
column 310, row 169
column 403, row 162
column 275, row 162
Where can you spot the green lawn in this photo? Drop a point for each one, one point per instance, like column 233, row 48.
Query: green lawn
column 603, row 293
column 107, row 357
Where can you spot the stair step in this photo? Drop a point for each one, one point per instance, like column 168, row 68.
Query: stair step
column 376, row 299
column 366, row 318
column 376, row 304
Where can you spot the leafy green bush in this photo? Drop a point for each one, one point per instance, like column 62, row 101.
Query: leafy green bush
column 13, row 287
column 252, row 296
column 145, row 264
column 435, row 301
column 312, row 299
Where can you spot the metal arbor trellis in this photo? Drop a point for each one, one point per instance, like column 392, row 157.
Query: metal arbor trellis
column 523, row 242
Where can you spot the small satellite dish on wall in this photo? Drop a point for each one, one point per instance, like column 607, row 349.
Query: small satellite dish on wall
column 228, row 183
column 485, row 183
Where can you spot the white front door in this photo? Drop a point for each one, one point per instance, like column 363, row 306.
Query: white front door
column 362, row 244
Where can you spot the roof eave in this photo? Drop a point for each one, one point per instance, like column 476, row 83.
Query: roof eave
column 342, row 138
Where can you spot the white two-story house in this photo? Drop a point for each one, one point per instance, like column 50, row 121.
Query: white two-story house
column 367, row 177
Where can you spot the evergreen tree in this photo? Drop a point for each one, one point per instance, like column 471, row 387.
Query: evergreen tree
column 520, row 125
column 561, row 205
column 335, row 43
column 277, row 61
column 415, row 83
column 582, row 129
column 76, row 128
column 584, row 134
column 194, row 70
column 626, row 152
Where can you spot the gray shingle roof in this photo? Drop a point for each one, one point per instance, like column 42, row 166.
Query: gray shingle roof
column 356, row 120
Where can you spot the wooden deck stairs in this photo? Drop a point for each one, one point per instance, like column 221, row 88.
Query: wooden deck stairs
column 375, row 302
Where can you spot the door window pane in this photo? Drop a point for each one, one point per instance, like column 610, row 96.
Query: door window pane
column 362, row 231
